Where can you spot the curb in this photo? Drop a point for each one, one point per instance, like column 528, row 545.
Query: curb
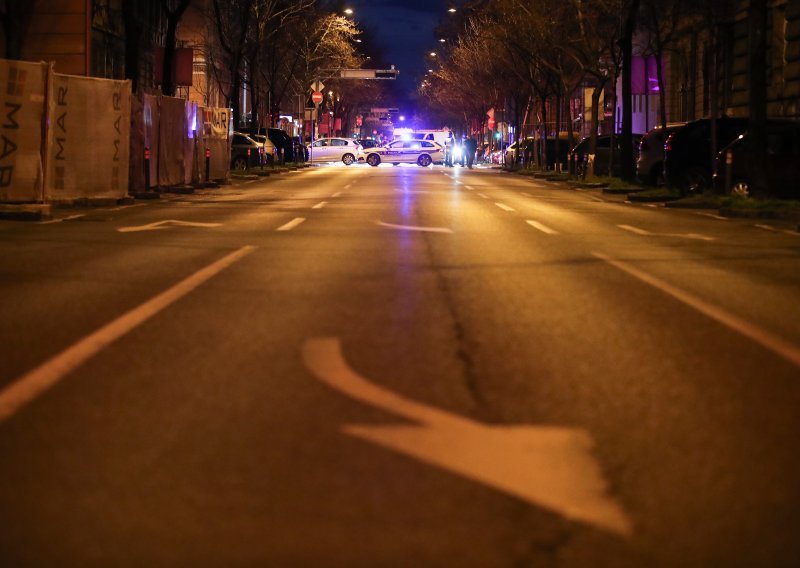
column 25, row 212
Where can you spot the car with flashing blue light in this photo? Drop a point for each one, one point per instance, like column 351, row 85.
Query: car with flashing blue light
column 420, row 152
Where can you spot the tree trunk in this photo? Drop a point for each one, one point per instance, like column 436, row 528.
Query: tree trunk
column 173, row 19
column 627, row 167
column 133, row 35
column 662, row 89
column 757, row 105
column 590, row 169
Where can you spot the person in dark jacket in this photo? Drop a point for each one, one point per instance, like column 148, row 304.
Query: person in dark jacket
column 470, row 147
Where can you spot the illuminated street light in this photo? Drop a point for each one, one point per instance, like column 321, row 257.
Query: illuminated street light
column 451, row 10
column 433, row 54
column 348, row 11
column 442, row 40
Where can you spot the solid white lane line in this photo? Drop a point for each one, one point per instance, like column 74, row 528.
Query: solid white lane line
column 53, row 221
column 337, row 194
column 541, row 227
column 636, row 230
column 415, row 228
column 320, row 205
column 504, row 207
column 32, row 384
column 483, row 195
column 765, row 338
column 291, row 224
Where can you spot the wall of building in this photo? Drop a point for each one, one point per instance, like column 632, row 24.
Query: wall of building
column 58, row 33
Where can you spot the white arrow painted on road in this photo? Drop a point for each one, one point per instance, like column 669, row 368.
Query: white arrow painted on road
column 169, row 223
column 547, row 466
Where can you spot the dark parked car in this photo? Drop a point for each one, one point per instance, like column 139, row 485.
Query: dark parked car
column 245, row 152
column 781, row 169
column 282, row 141
column 602, row 159
column 367, row 143
column 557, row 151
column 650, row 164
column 687, row 152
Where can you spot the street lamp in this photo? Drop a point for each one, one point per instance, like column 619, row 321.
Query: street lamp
column 433, row 54
column 348, row 11
column 451, row 10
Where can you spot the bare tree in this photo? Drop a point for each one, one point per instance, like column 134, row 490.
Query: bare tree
column 173, row 10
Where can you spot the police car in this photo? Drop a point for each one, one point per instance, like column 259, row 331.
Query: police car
column 420, row 152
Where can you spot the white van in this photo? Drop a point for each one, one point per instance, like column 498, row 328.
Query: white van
column 439, row 136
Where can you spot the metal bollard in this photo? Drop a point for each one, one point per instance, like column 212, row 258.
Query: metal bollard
column 147, row 167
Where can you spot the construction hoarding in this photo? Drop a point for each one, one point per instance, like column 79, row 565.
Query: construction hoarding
column 88, row 138
column 22, row 108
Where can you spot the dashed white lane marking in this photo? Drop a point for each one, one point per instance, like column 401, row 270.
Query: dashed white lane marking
column 320, row 205
column 337, row 194
column 504, row 207
column 765, row 338
column 53, row 221
column 717, row 217
column 32, row 384
column 291, row 224
column 636, row 230
column 469, row 187
column 415, row 228
column 643, row 232
column 525, row 193
column 483, row 195
column 776, row 230
column 595, row 198
column 547, row 466
column 543, row 228
column 348, row 186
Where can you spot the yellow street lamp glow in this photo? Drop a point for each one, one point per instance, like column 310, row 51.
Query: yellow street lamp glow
column 433, row 54
column 348, row 11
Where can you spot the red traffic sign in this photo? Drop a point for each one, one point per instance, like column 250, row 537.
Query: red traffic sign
column 316, row 97
column 490, row 123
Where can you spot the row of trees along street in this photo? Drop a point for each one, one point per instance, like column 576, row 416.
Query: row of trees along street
column 262, row 53
column 533, row 58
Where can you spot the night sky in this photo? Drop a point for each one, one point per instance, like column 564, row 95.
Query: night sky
column 404, row 30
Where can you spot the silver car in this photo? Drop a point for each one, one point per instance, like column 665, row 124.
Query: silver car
column 343, row 150
column 420, row 152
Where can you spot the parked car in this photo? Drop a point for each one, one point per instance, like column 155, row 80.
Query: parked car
column 650, row 164
column 602, row 158
column 687, row 152
column 512, row 152
column 282, row 141
column 267, row 150
column 421, row 152
column 342, row 150
column 781, row 168
column 245, row 152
